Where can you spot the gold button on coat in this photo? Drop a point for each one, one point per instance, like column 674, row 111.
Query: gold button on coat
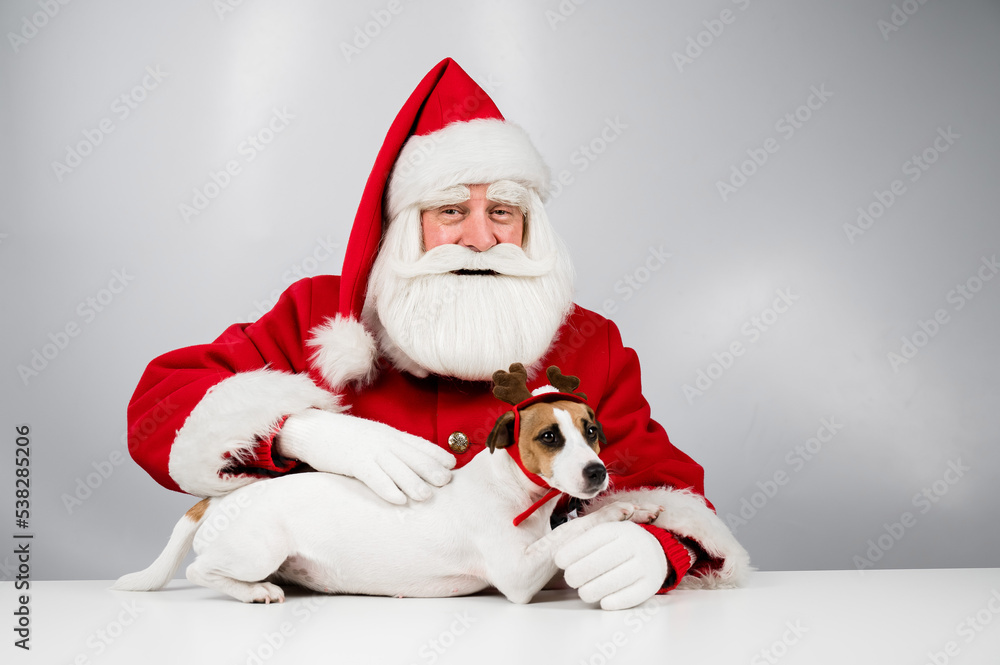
column 458, row 442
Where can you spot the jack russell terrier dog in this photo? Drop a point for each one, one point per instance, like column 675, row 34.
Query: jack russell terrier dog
column 332, row 534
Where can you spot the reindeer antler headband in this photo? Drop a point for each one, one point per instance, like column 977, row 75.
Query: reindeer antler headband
column 512, row 387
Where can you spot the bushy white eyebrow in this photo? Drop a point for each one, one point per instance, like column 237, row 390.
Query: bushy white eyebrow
column 448, row 196
column 508, row 192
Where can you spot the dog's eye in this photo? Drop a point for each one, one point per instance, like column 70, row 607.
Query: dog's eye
column 551, row 438
column 592, row 433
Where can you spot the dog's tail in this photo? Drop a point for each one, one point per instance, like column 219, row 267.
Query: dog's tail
column 163, row 568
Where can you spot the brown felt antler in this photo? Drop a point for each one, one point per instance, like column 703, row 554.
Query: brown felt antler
column 564, row 384
column 511, row 386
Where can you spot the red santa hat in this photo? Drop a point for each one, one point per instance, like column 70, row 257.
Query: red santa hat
column 448, row 132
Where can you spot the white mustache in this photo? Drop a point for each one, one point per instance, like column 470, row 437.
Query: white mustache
column 504, row 259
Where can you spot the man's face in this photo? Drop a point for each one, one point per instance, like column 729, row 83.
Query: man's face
column 478, row 223
column 488, row 285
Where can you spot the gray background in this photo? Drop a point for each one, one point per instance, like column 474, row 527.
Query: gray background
column 681, row 128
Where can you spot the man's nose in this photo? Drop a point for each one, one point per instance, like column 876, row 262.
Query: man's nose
column 477, row 231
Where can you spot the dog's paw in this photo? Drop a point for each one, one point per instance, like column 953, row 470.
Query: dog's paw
column 620, row 510
column 645, row 514
column 265, row 592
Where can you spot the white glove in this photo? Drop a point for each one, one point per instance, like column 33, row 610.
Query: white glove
column 394, row 464
column 619, row 564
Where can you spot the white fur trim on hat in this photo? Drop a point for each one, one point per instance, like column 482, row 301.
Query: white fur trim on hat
column 345, row 352
column 687, row 515
column 464, row 153
column 230, row 418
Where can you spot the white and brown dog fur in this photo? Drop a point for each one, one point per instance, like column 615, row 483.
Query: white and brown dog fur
column 332, row 534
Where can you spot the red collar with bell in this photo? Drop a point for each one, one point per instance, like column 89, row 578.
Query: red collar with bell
column 515, row 451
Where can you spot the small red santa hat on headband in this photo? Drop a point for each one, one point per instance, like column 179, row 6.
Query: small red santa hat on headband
column 448, row 132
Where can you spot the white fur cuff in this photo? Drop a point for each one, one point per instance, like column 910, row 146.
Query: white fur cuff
column 229, row 420
column 686, row 515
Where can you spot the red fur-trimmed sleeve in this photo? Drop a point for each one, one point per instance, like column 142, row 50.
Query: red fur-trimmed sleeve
column 679, row 557
column 202, row 418
column 646, row 468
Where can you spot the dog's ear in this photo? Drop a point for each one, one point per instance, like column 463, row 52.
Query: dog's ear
column 600, row 430
column 503, row 432
column 564, row 384
column 512, row 386
column 600, row 434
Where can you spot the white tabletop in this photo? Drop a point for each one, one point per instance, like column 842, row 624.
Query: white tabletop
column 893, row 616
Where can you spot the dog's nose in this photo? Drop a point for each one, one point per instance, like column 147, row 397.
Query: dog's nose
column 594, row 473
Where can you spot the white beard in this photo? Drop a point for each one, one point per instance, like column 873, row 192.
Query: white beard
column 429, row 320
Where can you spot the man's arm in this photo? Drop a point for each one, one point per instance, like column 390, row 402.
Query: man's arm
column 646, row 468
column 202, row 418
column 263, row 400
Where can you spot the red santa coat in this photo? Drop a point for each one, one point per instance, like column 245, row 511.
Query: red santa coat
column 203, row 418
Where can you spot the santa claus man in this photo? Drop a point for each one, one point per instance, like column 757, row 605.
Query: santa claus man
column 452, row 272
